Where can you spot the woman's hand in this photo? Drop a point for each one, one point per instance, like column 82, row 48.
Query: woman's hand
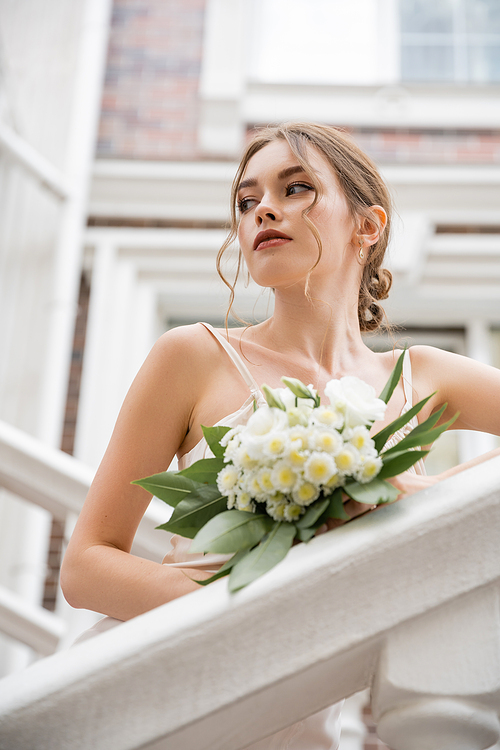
column 407, row 482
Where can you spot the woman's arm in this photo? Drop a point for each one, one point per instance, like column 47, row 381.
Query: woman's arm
column 98, row 572
column 469, row 387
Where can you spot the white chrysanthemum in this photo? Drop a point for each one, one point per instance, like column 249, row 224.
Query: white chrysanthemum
column 347, row 459
column 232, row 448
column 264, row 478
column 284, row 477
column 244, row 501
column 231, row 500
column 369, row 468
column 275, row 444
column 334, row 482
column 319, row 468
column 293, row 511
column 230, row 434
column 329, row 416
column 227, row 478
column 356, row 399
column 300, row 433
column 296, row 457
column 276, row 508
column 305, row 494
column 360, row 437
column 329, row 441
column 252, row 485
column 243, row 460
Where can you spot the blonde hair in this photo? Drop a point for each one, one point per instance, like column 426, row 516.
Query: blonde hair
column 362, row 187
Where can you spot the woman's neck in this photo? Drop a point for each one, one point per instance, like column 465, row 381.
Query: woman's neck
column 325, row 333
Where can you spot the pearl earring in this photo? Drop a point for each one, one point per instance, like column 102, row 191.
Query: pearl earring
column 361, row 253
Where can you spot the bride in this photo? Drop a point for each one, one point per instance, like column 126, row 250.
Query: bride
column 312, row 218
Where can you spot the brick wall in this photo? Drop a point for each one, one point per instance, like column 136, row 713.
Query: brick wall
column 415, row 146
column 150, row 99
column 424, row 146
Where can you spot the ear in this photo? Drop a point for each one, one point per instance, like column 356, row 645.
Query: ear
column 371, row 228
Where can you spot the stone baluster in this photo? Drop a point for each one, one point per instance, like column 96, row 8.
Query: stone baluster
column 437, row 686
column 353, row 727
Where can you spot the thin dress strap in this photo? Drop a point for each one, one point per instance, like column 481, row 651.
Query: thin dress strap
column 238, row 363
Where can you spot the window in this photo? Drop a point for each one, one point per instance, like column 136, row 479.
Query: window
column 313, row 41
column 373, row 42
column 450, row 40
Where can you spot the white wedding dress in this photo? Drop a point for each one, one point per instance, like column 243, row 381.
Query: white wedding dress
column 321, row 731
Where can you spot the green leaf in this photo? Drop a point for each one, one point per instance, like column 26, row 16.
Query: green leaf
column 272, row 398
column 305, row 535
column 421, row 435
column 196, row 509
column 333, row 508
column 376, row 491
column 394, row 378
column 213, row 436
column 169, row 486
column 336, row 506
column 225, row 569
column 262, row 558
column 231, row 531
column 187, row 531
column 204, row 471
column 312, row 514
column 382, row 437
column 400, row 462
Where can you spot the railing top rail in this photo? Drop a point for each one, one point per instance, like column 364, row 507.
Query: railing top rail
column 59, row 483
column 201, row 666
column 42, row 474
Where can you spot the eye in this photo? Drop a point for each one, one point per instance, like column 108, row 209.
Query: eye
column 245, row 204
column 298, row 187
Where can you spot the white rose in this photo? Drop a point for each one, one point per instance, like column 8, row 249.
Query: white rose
column 263, row 423
column 265, row 420
column 356, row 399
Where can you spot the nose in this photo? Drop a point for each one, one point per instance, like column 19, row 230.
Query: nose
column 266, row 209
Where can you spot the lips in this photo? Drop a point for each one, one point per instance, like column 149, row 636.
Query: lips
column 269, row 238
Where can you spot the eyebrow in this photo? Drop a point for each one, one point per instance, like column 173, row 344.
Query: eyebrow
column 252, row 182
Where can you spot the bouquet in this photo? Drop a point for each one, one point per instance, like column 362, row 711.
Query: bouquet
column 284, row 474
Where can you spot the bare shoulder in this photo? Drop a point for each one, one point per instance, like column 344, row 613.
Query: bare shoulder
column 442, row 363
column 190, row 339
column 175, row 375
column 467, row 386
column 185, row 350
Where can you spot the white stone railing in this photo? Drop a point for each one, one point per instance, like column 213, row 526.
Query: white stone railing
column 405, row 601
column 58, row 483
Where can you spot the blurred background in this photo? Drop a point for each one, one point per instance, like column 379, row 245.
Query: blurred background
column 120, row 127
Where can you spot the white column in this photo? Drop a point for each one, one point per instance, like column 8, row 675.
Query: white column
column 95, row 373
column 68, row 256
column 222, row 77
column 479, row 347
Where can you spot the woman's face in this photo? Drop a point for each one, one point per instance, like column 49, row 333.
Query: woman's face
column 278, row 246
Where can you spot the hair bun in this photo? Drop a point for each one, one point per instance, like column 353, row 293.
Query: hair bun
column 380, row 283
